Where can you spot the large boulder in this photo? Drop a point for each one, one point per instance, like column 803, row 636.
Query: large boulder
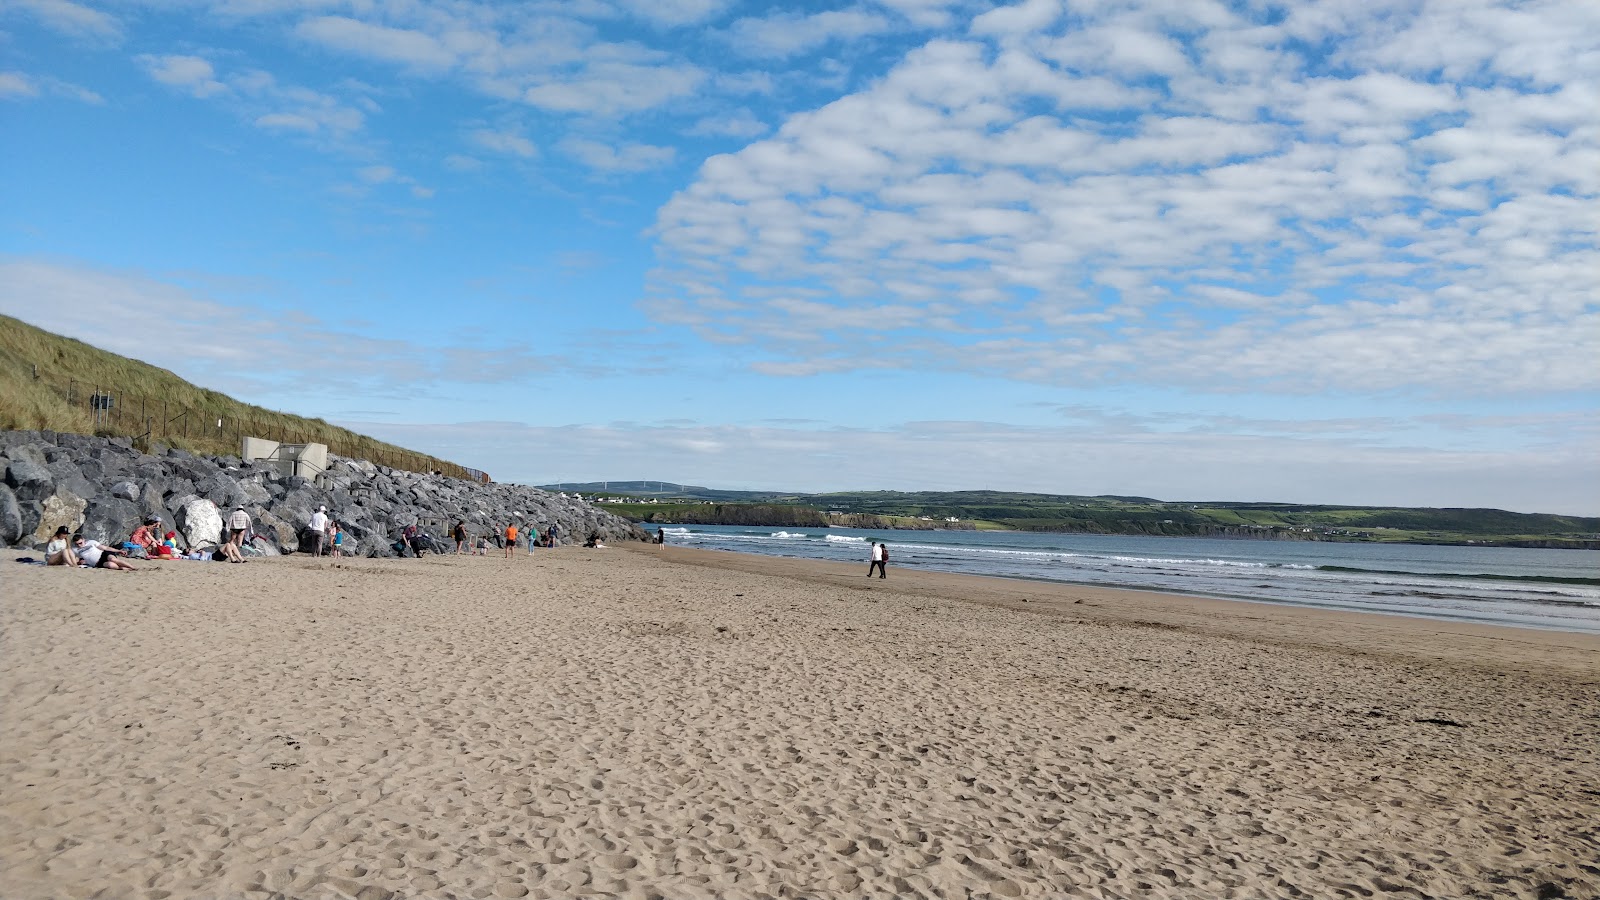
column 276, row 531
column 201, row 522
column 110, row 520
column 58, row 509
column 10, row 517
column 28, row 476
column 125, row 490
column 151, row 503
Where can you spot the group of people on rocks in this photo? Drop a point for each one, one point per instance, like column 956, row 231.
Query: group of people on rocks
column 511, row 537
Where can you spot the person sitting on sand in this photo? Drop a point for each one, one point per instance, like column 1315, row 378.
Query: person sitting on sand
column 413, row 539
column 229, row 551
column 594, row 541
column 148, row 536
column 96, row 555
column 59, row 551
column 169, row 545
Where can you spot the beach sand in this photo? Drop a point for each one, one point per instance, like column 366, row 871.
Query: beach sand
column 670, row 723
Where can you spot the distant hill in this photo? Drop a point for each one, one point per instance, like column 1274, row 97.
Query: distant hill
column 1102, row 514
column 663, row 490
column 49, row 383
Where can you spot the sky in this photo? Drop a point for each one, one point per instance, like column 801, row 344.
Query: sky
column 1339, row 252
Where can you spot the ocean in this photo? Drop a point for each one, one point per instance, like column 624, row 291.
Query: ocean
column 1555, row 589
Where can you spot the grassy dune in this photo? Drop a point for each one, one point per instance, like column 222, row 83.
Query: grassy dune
column 46, row 381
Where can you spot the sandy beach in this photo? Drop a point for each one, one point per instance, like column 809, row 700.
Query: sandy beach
column 669, row 723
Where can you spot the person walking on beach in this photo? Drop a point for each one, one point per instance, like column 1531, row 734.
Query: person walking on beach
column 511, row 539
column 460, row 534
column 880, row 556
column 532, row 537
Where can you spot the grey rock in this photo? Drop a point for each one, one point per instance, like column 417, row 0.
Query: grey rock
column 10, row 517
column 110, row 520
column 125, row 490
column 29, row 478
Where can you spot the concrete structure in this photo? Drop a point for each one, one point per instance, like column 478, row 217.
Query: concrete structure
column 305, row 460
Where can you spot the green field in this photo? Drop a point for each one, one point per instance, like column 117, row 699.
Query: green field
column 1101, row 515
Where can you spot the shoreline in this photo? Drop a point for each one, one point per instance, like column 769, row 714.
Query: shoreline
column 659, row 721
column 1260, row 619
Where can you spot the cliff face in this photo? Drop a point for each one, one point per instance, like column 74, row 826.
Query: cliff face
column 105, row 488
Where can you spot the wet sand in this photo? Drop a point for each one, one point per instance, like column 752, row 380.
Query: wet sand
column 666, row 722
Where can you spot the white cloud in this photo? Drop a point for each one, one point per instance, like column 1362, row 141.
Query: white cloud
column 611, row 88
column 398, row 45
column 260, row 98
column 511, row 143
column 787, row 34
column 740, row 123
column 624, row 158
column 675, row 12
column 190, row 74
column 1117, row 198
column 72, row 19
column 17, row 84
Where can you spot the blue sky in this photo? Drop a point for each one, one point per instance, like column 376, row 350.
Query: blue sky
column 1342, row 252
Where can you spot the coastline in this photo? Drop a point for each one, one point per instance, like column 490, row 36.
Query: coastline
column 1278, row 623
column 665, row 721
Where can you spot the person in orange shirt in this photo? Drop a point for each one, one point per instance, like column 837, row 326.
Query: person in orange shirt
column 511, row 539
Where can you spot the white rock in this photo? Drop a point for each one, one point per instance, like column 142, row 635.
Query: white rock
column 201, row 522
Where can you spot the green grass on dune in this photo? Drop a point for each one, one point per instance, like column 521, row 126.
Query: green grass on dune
column 40, row 371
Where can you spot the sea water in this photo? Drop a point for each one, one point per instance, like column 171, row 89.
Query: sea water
column 1557, row 589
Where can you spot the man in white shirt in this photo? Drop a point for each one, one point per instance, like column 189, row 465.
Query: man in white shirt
column 319, row 528
column 879, row 553
column 98, row 556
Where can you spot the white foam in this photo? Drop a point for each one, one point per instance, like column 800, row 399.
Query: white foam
column 676, row 530
column 845, row 539
column 786, row 534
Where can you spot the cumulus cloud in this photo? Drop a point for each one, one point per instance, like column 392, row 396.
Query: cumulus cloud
column 512, row 143
column 381, row 42
column 787, row 34
column 623, row 158
column 611, row 88
column 72, row 19
column 259, row 98
column 190, row 74
column 1179, row 195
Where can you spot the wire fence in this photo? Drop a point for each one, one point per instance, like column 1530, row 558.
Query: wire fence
column 156, row 419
